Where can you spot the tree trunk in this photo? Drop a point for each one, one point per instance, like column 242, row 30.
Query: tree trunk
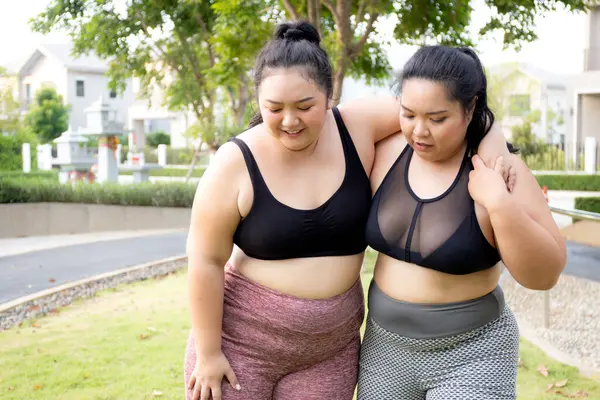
column 314, row 13
column 338, row 77
column 195, row 158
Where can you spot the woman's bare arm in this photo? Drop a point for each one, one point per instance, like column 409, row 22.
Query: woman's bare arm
column 215, row 216
column 527, row 237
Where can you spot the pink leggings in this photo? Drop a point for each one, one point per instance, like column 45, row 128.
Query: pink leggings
column 287, row 348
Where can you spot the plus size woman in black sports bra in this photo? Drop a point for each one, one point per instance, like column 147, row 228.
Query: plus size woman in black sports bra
column 283, row 208
column 441, row 220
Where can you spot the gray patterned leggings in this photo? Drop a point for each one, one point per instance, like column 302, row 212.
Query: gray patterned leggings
column 476, row 365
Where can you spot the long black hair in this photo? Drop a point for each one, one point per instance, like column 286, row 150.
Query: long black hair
column 461, row 72
column 294, row 44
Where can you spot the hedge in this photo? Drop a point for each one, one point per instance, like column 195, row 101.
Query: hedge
column 37, row 190
column 173, row 172
column 51, row 175
column 570, row 182
column 588, row 204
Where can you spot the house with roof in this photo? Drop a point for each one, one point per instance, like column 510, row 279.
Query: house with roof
column 585, row 91
column 525, row 89
column 80, row 81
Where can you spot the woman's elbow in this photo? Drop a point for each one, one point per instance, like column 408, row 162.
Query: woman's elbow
column 547, row 276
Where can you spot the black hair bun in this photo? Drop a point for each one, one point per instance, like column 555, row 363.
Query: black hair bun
column 297, row 31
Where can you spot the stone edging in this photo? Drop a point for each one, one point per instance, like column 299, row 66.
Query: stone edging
column 526, row 331
column 46, row 301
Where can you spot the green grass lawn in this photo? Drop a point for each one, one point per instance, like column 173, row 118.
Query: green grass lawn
column 129, row 343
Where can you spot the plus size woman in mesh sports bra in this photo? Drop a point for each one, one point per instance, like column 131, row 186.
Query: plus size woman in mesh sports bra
column 441, row 220
column 276, row 239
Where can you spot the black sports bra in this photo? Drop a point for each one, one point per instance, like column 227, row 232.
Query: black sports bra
column 440, row 233
column 275, row 231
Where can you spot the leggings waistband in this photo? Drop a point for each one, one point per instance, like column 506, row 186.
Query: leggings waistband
column 429, row 321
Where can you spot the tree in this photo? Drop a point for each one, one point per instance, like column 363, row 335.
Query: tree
column 49, row 117
column 196, row 52
column 525, row 139
column 351, row 32
column 204, row 45
column 157, row 138
column 9, row 106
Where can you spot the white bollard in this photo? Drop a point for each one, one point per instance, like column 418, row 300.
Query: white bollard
column 26, row 154
column 162, row 155
column 590, row 155
column 44, row 157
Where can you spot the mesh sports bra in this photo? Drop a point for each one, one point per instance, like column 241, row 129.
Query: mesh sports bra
column 440, row 233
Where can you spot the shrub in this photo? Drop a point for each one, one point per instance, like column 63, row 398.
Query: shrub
column 156, row 138
column 171, row 172
column 591, row 204
column 38, row 190
column 570, row 182
column 11, row 148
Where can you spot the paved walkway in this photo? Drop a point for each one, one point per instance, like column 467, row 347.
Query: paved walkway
column 14, row 246
column 27, row 273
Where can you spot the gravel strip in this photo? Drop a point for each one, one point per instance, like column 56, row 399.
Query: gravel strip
column 48, row 304
column 574, row 315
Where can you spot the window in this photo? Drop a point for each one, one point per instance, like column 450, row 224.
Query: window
column 79, row 85
column 27, row 93
column 519, row 105
column 113, row 94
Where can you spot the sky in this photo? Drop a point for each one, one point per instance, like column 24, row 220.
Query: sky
column 559, row 49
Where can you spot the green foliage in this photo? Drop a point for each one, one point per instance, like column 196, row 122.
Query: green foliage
column 11, row 148
column 213, row 135
column 49, row 117
column 35, row 190
column 171, row 172
column 523, row 138
column 552, row 159
column 192, row 48
column 19, row 175
column 589, row 183
column 9, row 106
column 517, row 18
column 187, row 49
column 591, row 204
column 156, row 138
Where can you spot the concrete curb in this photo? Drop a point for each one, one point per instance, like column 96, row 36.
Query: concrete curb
column 528, row 332
column 41, row 303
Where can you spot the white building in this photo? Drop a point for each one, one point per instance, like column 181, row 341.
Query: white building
column 524, row 89
column 586, row 90
column 149, row 114
column 80, row 82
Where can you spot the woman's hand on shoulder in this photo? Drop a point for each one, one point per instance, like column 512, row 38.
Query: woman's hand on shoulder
column 492, row 147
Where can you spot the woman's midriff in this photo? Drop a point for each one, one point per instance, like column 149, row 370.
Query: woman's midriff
column 310, row 278
column 415, row 284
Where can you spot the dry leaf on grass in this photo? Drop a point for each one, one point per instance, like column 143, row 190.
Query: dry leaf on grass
column 562, row 383
column 11, row 388
column 521, row 364
column 550, row 387
column 38, row 387
column 577, row 394
column 157, row 393
column 542, row 370
column 143, row 336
